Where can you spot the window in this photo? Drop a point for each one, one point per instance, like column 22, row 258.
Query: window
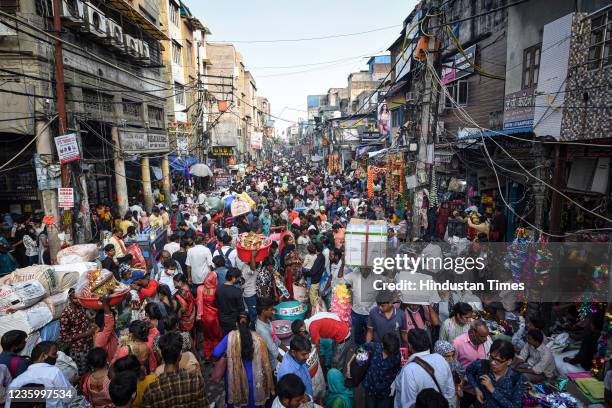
column 600, row 42
column 132, row 108
column 156, row 115
column 531, row 66
column 458, row 90
column 174, row 13
column 176, row 54
column 97, row 101
column 189, row 52
column 397, row 117
column 9, row 6
column 179, row 94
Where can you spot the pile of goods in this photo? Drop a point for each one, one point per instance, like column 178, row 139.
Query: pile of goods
column 99, row 283
column 78, row 253
column 250, row 242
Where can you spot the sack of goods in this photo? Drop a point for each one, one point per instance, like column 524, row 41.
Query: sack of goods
column 78, row 253
column 20, row 296
column 57, row 303
column 29, row 320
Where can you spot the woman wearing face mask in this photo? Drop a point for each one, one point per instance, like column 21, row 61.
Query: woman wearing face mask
column 447, row 350
column 495, row 382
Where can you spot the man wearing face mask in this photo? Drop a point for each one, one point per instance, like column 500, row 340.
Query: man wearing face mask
column 469, row 347
column 43, row 371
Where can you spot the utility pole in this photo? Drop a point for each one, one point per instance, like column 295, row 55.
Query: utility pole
column 425, row 125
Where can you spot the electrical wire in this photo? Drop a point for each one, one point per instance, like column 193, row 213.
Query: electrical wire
column 325, row 37
column 40, row 132
column 473, row 122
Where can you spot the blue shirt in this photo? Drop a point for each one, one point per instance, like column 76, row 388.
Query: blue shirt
column 382, row 371
column 508, row 389
column 20, row 363
column 289, row 365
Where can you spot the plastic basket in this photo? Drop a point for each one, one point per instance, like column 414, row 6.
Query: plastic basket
column 245, row 253
column 96, row 303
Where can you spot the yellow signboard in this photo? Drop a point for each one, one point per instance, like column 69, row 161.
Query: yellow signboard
column 224, row 151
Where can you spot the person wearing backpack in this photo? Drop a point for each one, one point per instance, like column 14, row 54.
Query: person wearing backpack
column 13, row 342
column 495, row 382
column 423, row 370
column 228, row 252
column 423, row 317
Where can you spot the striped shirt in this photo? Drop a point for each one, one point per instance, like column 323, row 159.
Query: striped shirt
column 450, row 330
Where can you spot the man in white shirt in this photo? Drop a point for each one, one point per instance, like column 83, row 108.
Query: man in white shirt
column 43, row 371
column 201, row 198
column 424, row 370
column 536, row 361
column 199, row 262
column 364, row 298
column 173, row 245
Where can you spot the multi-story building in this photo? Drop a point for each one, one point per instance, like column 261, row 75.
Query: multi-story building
column 115, row 98
column 185, row 69
column 226, row 85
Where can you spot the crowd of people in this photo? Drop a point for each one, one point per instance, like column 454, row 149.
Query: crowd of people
column 202, row 315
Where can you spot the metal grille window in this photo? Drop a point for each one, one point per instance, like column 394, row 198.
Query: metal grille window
column 155, row 114
column 600, row 42
column 97, row 101
column 179, row 94
column 176, row 54
column 531, row 66
column 9, row 6
column 131, row 108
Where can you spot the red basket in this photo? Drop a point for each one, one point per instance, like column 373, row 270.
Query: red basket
column 96, row 303
column 245, row 253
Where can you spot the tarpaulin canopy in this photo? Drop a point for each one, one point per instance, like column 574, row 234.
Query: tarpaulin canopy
column 180, row 163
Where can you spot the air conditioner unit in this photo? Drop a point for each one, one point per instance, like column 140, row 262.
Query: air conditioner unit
column 96, row 21
column 145, row 54
column 73, row 12
column 131, row 46
column 410, row 96
column 114, row 34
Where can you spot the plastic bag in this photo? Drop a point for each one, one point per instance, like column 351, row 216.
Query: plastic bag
column 83, row 286
column 21, row 295
column 240, row 207
column 78, row 253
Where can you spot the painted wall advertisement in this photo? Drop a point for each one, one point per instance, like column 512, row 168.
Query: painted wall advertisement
column 67, row 148
column 519, row 109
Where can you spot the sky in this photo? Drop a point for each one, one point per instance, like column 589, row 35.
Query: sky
column 287, row 88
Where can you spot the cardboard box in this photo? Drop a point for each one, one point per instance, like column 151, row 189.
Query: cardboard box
column 360, row 232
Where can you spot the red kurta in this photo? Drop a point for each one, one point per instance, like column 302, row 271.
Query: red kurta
column 208, row 314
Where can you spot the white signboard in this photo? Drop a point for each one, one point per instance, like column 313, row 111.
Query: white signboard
column 256, row 140
column 65, row 197
column 67, row 148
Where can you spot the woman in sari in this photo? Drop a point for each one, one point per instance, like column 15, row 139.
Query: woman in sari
column 338, row 395
column 248, row 378
column 266, row 222
column 291, row 263
column 208, row 314
column 187, row 304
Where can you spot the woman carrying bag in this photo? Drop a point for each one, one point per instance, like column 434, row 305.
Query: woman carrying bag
column 248, row 374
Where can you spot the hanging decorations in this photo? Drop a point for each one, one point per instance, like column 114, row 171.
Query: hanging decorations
column 373, row 171
column 341, row 302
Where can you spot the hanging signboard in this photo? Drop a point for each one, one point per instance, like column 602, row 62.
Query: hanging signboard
column 222, row 151
column 458, row 66
column 519, row 109
column 47, row 174
column 256, row 140
column 65, row 198
column 223, row 179
column 67, row 148
column 136, row 141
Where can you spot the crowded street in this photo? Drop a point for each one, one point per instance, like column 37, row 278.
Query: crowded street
column 424, row 226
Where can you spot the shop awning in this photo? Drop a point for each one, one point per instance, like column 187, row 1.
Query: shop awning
column 180, row 163
column 475, row 133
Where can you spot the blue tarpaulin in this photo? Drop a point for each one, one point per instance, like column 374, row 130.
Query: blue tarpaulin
column 180, row 163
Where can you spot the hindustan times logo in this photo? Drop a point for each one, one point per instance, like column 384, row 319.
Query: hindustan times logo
column 413, row 264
